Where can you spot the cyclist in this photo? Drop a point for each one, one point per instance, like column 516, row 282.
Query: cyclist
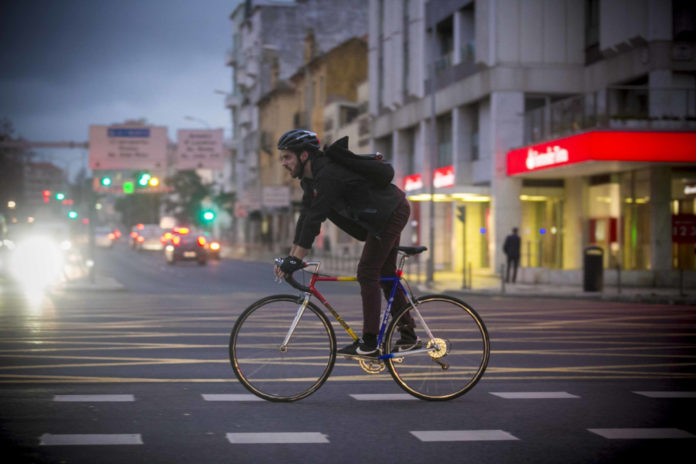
column 368, row 213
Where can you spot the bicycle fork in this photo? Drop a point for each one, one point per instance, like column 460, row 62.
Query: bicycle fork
column 293, row 325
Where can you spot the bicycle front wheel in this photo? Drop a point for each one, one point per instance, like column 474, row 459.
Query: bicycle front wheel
column 449, row 363
column 278, row 372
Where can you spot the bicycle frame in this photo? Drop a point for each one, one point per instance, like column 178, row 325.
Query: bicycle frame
column 311, row 290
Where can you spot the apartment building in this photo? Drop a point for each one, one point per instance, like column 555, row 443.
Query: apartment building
column 268, row 46
column 573, row 120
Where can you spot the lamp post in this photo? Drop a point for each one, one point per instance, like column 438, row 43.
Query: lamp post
column 430, row 266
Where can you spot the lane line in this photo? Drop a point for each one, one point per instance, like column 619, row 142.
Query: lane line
column 93, row 398
column 276, row 437
column 49, row 439
column 382, row 396
column 534, row 395
column 230, row 397
column 667, row 394
column 641, row 433
column 462, row 435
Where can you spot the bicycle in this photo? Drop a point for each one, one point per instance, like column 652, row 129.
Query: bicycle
column 283, row 347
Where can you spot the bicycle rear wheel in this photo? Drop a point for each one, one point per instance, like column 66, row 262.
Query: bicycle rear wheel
column 449, row 364
column 270, row 371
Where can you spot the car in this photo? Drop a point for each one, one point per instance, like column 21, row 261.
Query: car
column 104, row 237
column 146, row 237
column 186, row 245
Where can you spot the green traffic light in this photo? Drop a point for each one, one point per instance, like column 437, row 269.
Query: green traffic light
column 208, row 215
column 128, row 187
column 106, row 181
column 72, row 214
column 60, row 196
column 144, row 179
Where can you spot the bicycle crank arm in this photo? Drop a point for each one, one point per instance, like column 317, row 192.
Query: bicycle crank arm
column 442, row 364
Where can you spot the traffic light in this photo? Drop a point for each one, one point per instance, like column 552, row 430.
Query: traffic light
column 60, row 196
column 144, row 179
column 128, row 187
column 208, row 215
column 106, row 181
column 72, row 214
column 46, row 196
column 154, row 182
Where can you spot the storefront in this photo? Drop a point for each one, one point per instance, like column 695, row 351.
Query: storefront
column 631, row 193
column 461, row 221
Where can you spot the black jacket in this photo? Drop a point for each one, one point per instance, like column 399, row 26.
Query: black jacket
column 511, row 246
column 345, row 198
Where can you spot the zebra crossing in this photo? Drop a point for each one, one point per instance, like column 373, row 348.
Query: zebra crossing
column 317, row 437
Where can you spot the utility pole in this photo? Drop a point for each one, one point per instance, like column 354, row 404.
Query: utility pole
column 430, row 267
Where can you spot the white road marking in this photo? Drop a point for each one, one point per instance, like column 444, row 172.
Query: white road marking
column 641, row 433
column 94, row 398
column 667, row 394
column 230, row 397
column 533, row 395
column 278, row 437
column 49, row 439
column 382, row 396
column 463, row 435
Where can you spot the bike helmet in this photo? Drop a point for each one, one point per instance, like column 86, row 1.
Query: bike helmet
column 298, row 139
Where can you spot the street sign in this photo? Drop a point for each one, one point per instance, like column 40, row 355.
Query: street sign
column 127, row 147
column 199, row 149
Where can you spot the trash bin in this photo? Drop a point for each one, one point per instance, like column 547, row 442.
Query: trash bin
column 593, row 280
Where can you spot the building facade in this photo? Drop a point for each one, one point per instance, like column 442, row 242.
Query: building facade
column 480, row 105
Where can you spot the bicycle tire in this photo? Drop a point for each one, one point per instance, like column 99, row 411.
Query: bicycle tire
column 275, row 375
column 463, row 343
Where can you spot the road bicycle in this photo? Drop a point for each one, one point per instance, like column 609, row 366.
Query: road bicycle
column 283, row 347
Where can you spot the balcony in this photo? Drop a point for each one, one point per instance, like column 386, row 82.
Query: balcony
column 620, row 108
column 233, row 100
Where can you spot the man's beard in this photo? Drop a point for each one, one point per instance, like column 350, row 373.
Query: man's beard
column 296, row 172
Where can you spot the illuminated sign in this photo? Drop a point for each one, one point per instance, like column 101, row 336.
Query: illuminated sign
column 413, row 182
column 444, row 177
column 657, row 147
column 690, row 190
column 684, row 228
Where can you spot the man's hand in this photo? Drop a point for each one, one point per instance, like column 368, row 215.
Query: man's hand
column 289, row 265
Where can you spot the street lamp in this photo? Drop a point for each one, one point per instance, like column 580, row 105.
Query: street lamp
column 202, row 121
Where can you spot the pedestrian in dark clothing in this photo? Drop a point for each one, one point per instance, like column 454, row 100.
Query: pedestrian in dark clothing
column 511, row 248
column 375, row 215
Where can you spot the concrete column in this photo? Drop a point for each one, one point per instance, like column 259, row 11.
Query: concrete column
column 660, row 218
column 506, row 132
column 574, row 223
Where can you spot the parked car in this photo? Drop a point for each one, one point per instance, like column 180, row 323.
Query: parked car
column 186, row 245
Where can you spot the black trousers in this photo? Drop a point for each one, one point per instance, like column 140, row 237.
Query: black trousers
column 512, row 262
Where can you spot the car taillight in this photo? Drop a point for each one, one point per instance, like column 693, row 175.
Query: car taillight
column 215, row 246
column 112, row 236
column 201, row 240
column 176, row 240
column 140, row 239
column 134, row 234
column 117, row 233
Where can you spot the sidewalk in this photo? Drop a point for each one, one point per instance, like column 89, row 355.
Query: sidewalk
column 490, row 285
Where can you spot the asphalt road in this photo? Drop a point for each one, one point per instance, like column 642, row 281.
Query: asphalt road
column 142, row 375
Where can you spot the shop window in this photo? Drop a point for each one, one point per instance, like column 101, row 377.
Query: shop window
column 684, row 218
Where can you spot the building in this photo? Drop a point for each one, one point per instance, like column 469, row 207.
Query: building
column 268, row 42
column 524, row 91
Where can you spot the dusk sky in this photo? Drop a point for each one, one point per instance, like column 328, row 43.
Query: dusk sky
column 68, row 64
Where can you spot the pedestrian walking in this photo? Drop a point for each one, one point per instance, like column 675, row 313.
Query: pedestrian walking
column 511, row 248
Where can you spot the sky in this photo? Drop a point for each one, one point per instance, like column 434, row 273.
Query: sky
column 69, row 64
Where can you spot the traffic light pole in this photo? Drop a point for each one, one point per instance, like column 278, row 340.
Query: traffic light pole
column 91, row 216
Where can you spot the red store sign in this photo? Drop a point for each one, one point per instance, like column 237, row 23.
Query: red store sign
column 684, row 228
column 662, row 147
column 442, row 177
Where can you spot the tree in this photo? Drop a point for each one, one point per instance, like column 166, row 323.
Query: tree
column 185, row 202
column 12, row 162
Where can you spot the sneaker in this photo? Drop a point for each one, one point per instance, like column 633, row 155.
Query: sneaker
column 407, row 341
column 359, row 348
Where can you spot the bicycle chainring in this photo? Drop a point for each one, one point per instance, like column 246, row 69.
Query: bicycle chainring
column 371, row 367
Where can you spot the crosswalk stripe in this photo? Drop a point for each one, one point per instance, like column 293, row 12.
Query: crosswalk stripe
column 667, row 394
column 641, row 433
column 277, row 437
column 533, row 395
column 93, row 398
column 382, row 396
column 230, row 397
column 49, row 439
column 463, row 435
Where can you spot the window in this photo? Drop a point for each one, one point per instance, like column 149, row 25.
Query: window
column 474, row 132
column 592, row 52
column 444, row 140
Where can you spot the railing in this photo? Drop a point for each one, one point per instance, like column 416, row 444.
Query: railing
column 613, row 108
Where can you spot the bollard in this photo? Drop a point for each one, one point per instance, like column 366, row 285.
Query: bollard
column 502, row 278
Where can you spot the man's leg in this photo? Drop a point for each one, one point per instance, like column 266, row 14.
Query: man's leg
column 515, row 263
column 379, row 259
column 507, row 270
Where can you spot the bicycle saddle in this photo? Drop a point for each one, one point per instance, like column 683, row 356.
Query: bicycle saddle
column 411, row 250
